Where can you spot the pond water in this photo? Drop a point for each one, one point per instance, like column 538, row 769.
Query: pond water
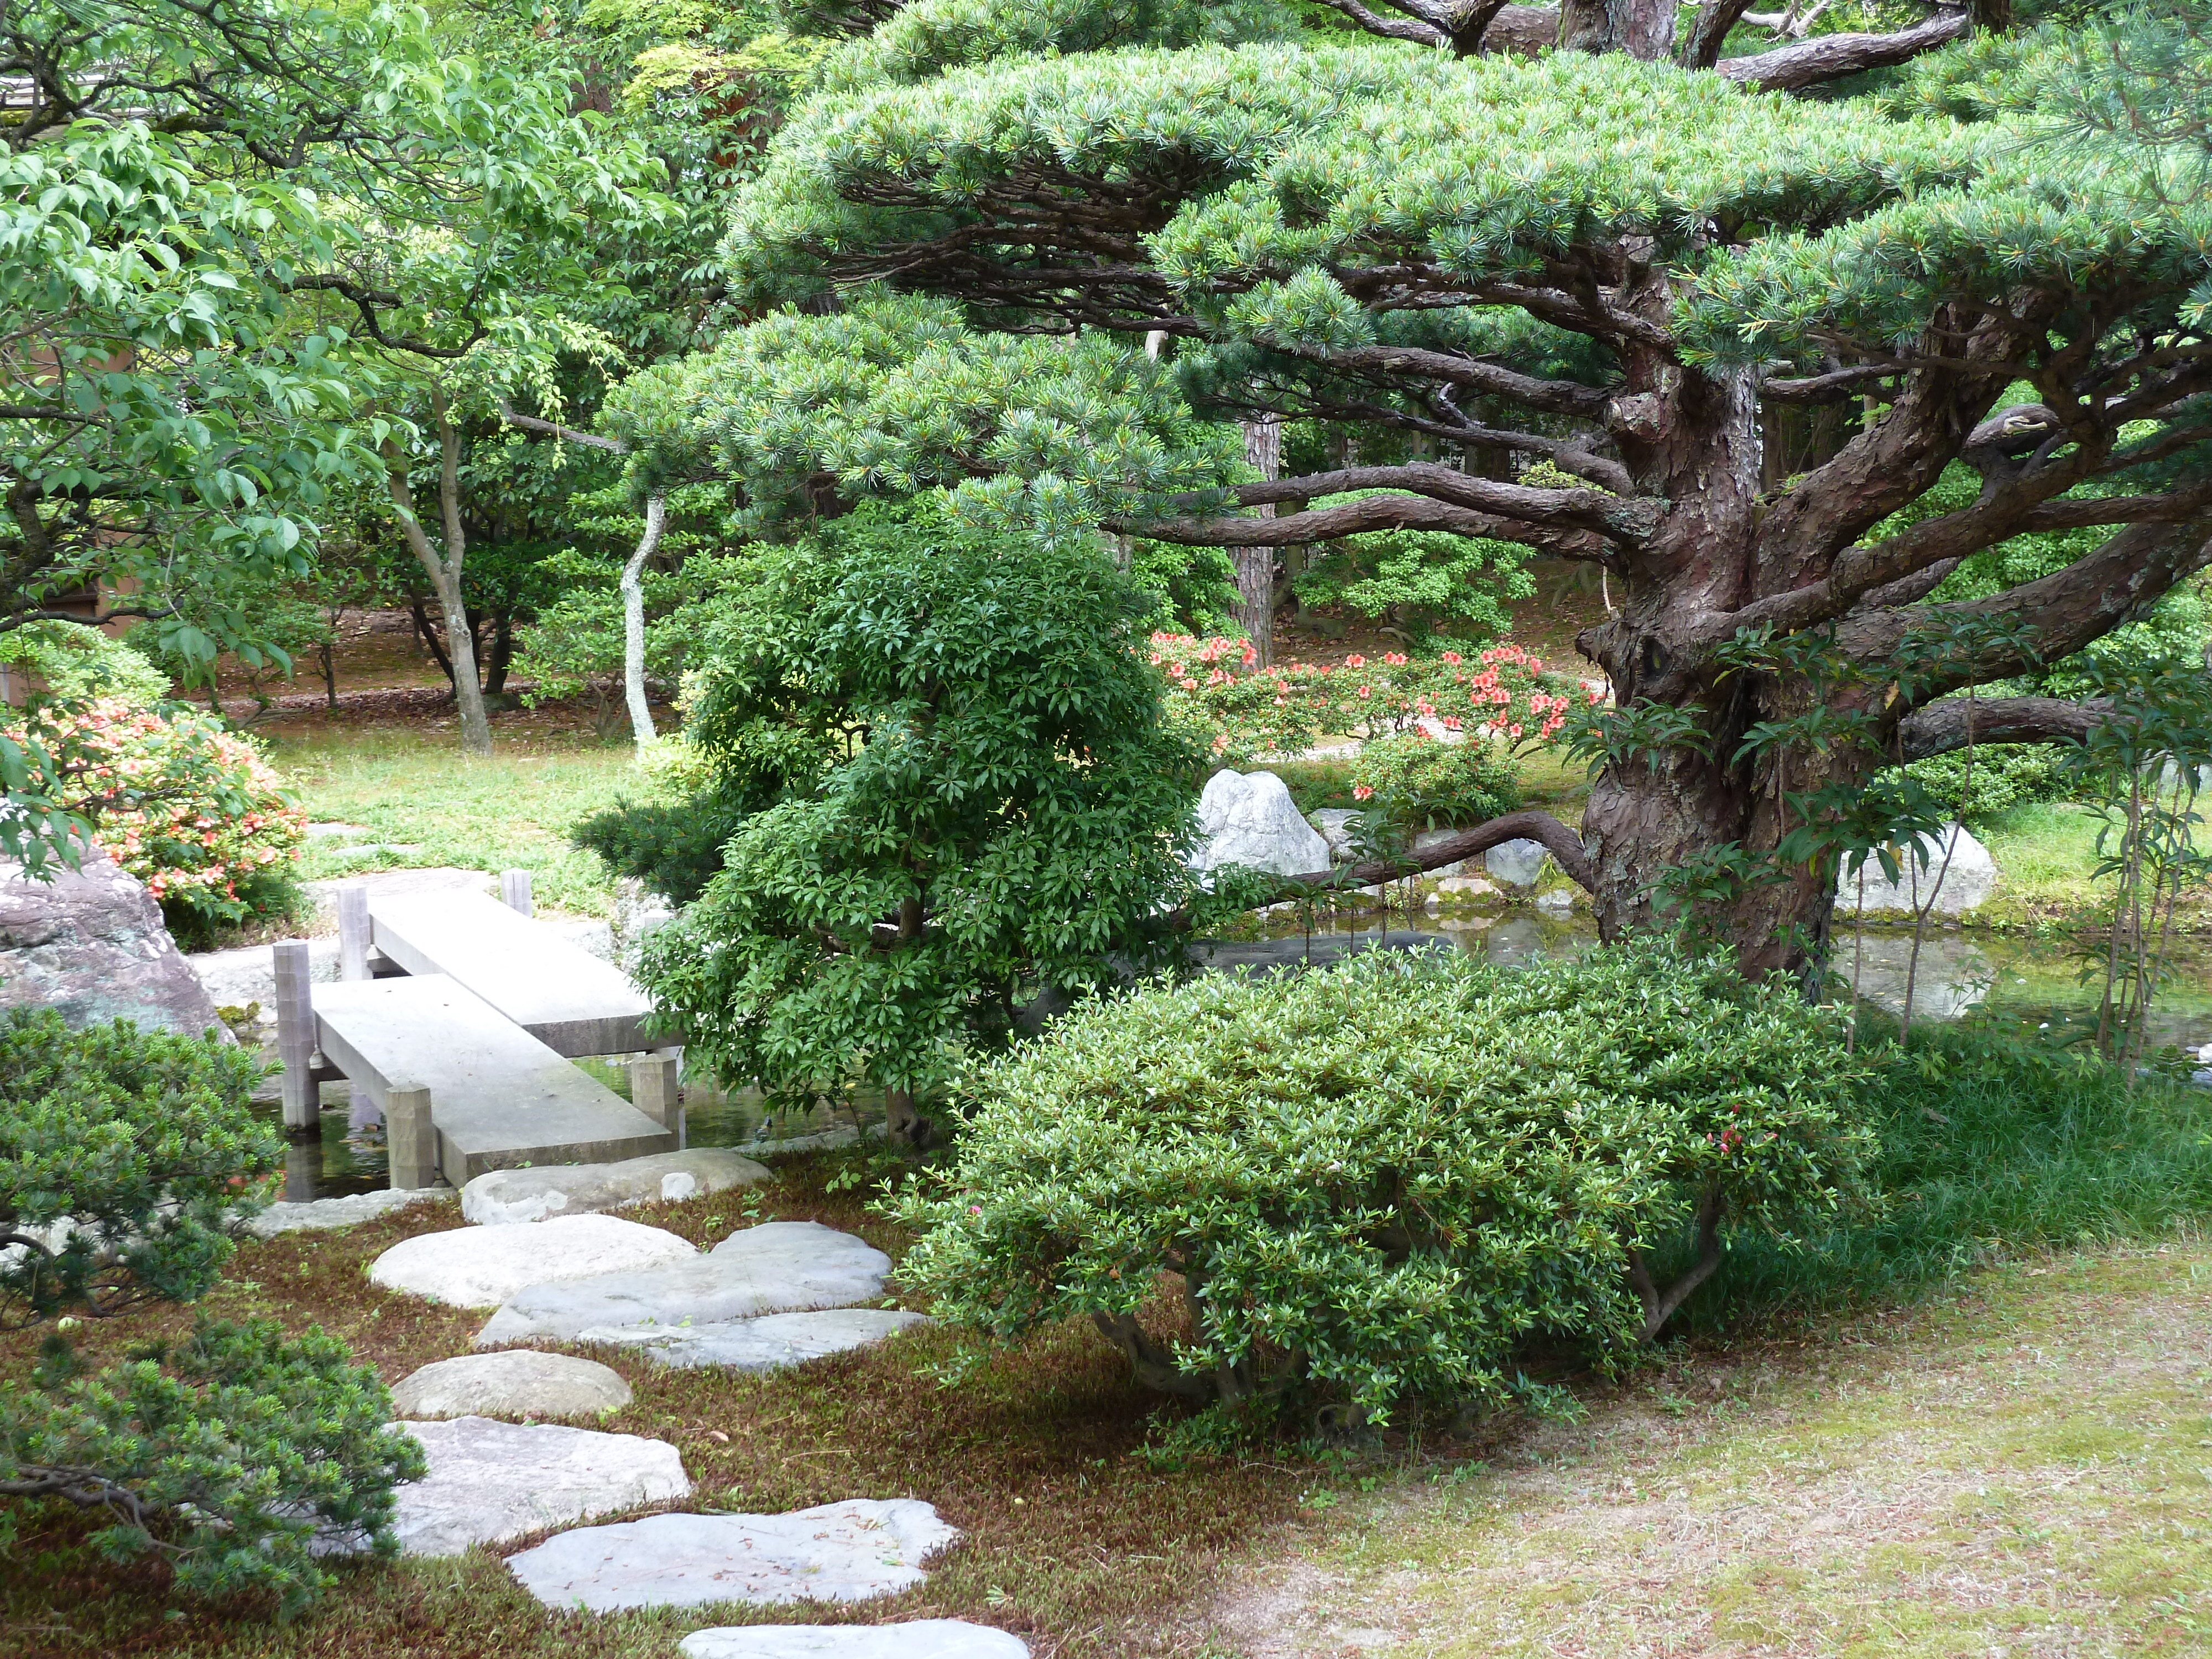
column 2029, row 988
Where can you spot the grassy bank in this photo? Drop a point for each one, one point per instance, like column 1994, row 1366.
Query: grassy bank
column 420, row 792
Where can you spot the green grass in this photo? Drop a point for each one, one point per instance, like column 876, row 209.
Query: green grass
column 512, row 812
column 1989, row 1149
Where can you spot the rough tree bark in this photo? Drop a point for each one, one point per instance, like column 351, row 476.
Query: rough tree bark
column 443, row 566
column 1255, row 566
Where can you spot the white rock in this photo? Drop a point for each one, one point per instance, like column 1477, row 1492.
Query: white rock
column 1515, row 863
column 781, row 1266
column 1335, row 827
column 921, row 1638
column 759, row 1344
column 321, row 1213
column 1429, row 838
column 845, row 1552
column 1467, row 886
column 1249, row 818
column 1965, row 884
column 502, row 1196
column 516, row 1383
column 491, row 1481
column 483, row 1267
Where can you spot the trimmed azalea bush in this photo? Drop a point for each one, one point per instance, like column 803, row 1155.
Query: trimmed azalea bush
column 1420, row 782
column 1392, row 1179
column 126, row 1156
column 194, row 812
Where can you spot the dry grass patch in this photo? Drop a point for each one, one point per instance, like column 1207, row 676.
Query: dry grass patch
column 2026, row 1472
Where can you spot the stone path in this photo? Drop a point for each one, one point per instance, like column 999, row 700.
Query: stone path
column 483, row 1267
column 505, row 1196
column 322, row 1213
column 759, row 1344
column 921, row 1638
column 781, row 1266
column 845, row 1552
column 490, row 1481
column 515, row 1383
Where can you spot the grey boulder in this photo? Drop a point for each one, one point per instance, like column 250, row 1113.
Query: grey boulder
column 781, row 1266
column 91, row 942
column 1516, row 863
column 491, row 1481
column 1336, row 827
column 845, row 1552
column 483, row 1267
column 1964, row 883
column 757, row 1345
column 919, row 1638
column 515, row 1383
column 501, row 1196
column 1250, row 819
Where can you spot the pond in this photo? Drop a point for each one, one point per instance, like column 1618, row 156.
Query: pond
column 2027, row 986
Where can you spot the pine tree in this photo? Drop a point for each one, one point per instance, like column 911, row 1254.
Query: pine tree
column 1638, row 272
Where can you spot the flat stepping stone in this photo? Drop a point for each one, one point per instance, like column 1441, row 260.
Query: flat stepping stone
column 483, row 1267
column 320, row 1214
column 515, row 1383
column 921, row 1638
column 490, row 1481
column 759, row 1344
column 503, row 1196
column 780, row 1266
column 847, row 1552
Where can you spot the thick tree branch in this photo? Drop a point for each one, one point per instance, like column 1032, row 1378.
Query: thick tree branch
column 1362, row 517
column 572, row 435
column 1628, row 519
column 1392, row 364
column 1831, row 56
column 1942, row 726
column 1563, row 843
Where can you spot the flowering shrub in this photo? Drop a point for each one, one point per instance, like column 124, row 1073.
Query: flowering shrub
column 190, row 809
column 1391, row 1179
column 1242, row 713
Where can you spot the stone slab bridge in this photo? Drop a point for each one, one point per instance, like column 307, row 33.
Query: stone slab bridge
column 455, row 1018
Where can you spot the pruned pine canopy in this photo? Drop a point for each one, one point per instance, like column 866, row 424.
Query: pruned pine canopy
column 1537, row 257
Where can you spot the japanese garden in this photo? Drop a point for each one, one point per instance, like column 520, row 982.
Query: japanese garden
column 1033, row 829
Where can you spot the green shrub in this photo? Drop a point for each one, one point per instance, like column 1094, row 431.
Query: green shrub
column 1388, row 1179
column 978, row 806
column 2004, row 776
column 142, row 1141
column 73, row 662
column 222, row 1455
column 125, row 1159
column 1421, row 783
column 675, row 848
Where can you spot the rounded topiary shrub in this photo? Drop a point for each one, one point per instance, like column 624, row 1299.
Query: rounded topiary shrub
column 1389, row 1179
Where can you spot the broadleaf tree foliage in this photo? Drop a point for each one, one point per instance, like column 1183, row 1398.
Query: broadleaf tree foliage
column 1621, row 268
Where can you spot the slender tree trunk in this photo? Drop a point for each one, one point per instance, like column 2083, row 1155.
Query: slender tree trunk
column 330, row 676
column 1255, row 566
column 901, row 1122
column 632, row 597
column 444, row 569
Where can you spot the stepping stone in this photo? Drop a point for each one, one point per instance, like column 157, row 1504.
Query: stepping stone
column 321, row 1213
column 483, row 1267
column 780, row 1267
column 517, row 1383
column 501, row 1196
column 845, row 1552
column 757, row 1345
column 921, row 1638
column 491, row 1481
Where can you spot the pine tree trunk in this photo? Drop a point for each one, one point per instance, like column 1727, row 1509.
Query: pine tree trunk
column 632, row 597
column 1255, row 566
